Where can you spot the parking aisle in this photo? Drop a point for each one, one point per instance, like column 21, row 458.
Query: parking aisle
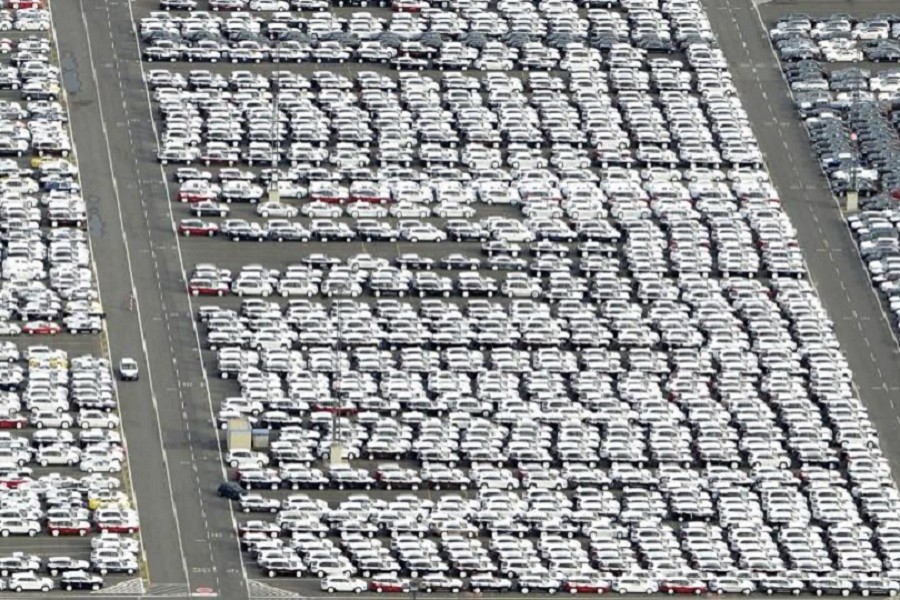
column 189, row 542
column 830, row 252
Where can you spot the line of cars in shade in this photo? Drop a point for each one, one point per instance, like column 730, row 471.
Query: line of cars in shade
column 849, row 116
column 669, row 412
column 838, row 37
column 852, row 116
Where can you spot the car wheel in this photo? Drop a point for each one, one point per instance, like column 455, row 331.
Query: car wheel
column 524, row 590
column 4, row 533
column 331, row 590
column 45, row 588
column 19, row 589
column 357, row 591
column 68, row 587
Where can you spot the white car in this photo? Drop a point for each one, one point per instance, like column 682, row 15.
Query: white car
column 29, row 582
column 343, row 584
column 238, row 457
column 12, row 526
column 96, row 418
column 276, row 209
column 272, row 5
column 635, row 585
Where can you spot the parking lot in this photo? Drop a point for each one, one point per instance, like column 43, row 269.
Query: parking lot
column 570, row 351
column 650, row 244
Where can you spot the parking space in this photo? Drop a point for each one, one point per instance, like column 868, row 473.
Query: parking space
column 523, row 253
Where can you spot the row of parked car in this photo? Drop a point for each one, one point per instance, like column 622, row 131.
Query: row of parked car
column 838, row 37
column 418, row 35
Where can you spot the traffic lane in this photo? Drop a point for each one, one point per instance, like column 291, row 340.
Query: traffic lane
column 840, row 279
column 183, row 414
column 152, row 486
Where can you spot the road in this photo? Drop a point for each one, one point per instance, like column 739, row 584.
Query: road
column 834, row 265
column 188, row 534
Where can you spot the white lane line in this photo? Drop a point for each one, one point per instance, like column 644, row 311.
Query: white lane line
column 137, row 302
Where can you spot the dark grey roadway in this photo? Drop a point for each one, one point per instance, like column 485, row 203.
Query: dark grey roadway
column 834, row 265
column 172, row 446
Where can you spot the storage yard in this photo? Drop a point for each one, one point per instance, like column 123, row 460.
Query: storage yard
column 491, row 297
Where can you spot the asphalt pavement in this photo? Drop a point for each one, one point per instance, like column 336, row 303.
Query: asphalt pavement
column 835, row 268
column 188, row 533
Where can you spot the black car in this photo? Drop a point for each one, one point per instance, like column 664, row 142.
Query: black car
column 376, row 231
column 288, row 234
column 782, row 585
column 230, row 490
column 831, row 586
column 80, row 580
column 414, row 261
column 458, row 261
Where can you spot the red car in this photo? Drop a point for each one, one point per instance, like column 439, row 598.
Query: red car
column 344, row 411
column 683, row 586
column 58, row 528
column 189, row 227
column 117, row 527
column 41, row 328
column 388, row 583
column 586, row 586
column 13, row 480
column 207, row 288
column 17, row 4
column 13, row 422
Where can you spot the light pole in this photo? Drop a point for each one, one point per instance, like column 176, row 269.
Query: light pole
column 274, row 192
column 853, row 183
column 336, row 452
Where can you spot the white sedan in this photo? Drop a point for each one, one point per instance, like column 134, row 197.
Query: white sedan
column 366, row 210
column 343, row 584
column 276, row 209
